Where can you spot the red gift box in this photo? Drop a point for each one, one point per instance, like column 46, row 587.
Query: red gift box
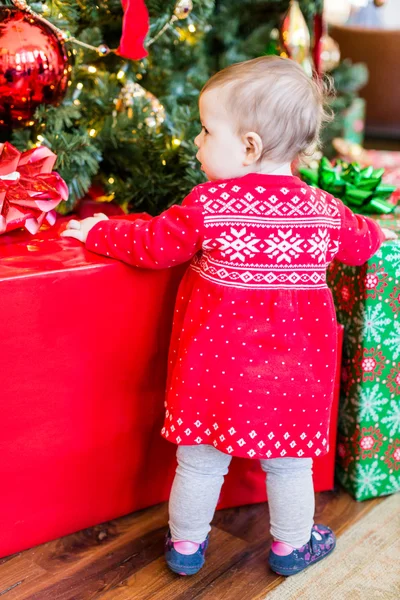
column 84, row 356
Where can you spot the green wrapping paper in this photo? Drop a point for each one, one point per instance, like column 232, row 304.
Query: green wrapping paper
column 367, row 301
column 361, row 189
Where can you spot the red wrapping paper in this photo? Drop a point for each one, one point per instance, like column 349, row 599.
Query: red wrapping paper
column 84, row 362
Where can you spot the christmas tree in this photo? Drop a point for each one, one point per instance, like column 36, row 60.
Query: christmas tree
column 127, row 126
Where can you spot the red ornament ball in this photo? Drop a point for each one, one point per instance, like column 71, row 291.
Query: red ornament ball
column 33, row 67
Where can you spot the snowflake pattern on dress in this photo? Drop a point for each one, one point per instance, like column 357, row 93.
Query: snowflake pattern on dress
column 261, row 240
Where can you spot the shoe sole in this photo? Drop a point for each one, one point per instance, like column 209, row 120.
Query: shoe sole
column 289, row 573
column 178, row 570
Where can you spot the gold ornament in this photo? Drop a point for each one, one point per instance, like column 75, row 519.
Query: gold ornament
column 134, row 98
column 183, row 8
column 330, row 53
column 296, row 37
column 379, row 3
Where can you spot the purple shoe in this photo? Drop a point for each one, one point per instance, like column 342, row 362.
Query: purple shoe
column 321, row 543
column 184, row 564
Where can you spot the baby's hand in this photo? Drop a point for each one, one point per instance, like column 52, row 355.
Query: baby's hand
column 80, row 229
column 389, row 234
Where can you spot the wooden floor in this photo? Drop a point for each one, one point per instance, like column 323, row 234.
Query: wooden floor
column 123, row 559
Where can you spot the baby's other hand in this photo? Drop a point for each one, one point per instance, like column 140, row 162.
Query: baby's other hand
column 389, row 234
column 80, row 229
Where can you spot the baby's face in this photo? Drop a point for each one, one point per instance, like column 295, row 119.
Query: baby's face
column 221, row 150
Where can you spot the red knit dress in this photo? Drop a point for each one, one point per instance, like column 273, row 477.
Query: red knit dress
column 253, row 348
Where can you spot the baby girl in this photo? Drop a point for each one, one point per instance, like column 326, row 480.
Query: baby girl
column 253, row 348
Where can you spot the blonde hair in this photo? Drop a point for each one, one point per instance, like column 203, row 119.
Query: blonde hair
column 275, row 98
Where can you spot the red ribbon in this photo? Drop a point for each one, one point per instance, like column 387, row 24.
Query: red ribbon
column 135, row 26
column 29, row 190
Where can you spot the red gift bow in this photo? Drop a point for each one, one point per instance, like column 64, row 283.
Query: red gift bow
column 135, row 26
column 29, row 190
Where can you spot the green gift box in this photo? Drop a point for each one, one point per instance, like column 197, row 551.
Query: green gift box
column 367, row 301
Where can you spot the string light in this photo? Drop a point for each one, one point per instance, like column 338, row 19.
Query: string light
column 92, row 132
column 120, row 74
column 176, row 142
column 40, row 138
column 192, row 28
column 79, row 85
column 111, row 180
column 92, row 69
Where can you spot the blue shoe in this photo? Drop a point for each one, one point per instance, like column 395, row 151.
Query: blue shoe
column 321, row 543
column 184, row 564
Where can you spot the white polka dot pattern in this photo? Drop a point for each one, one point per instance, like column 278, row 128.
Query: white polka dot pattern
column 253, row 347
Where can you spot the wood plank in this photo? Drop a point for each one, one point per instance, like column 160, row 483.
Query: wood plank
column 20, row 570
column 250, row 523
column 81, row 554
column 123, row 559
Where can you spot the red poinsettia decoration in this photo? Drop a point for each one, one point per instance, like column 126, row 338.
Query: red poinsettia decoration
column 367, row 441
column 368, row 363
column 29, row 189
column 395, row 299
column 392, row 455
column 393, row 380
column 374, row 277
column 346, row 293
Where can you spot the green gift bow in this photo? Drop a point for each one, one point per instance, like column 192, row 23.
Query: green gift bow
column 361, row 189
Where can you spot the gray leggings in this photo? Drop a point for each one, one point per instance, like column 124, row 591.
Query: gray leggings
column 197, row 485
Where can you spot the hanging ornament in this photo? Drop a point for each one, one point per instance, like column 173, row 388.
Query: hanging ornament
column 183, row 8
column 134, row 99
column 296, row 37
column 330, row 53
column 33, row 67
column 379, row 3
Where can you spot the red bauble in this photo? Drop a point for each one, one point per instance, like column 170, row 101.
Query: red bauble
column 33, row 66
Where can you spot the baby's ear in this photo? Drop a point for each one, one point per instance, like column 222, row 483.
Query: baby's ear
column 254, row 148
